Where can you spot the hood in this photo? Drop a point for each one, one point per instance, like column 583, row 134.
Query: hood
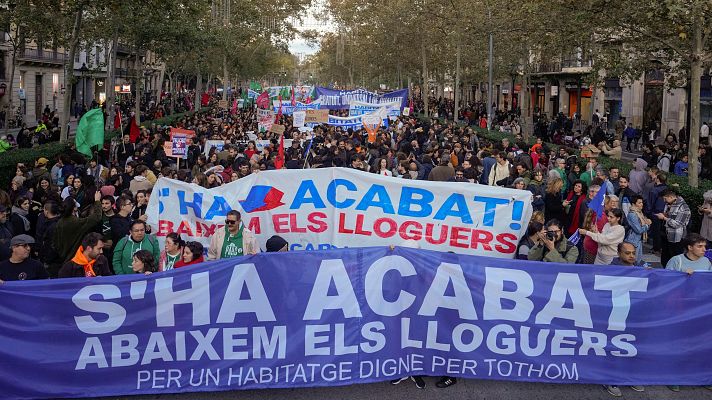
column 640, row 164
column 139, row 178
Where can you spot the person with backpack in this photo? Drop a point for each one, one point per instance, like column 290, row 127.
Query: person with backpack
column 128, row 245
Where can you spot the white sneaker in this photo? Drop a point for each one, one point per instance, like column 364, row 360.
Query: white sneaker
column 613, row 390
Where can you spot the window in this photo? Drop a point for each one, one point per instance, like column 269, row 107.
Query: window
column 22, row 79
column 96, row 55
column 55, row 82
column 76, row 57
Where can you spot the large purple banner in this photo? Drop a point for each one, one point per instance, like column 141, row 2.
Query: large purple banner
column 350, row 316
column 333, row 99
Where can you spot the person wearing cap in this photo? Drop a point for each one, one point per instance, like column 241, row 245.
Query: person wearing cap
column 40, row 171
column 277, row 244
column 20, row 267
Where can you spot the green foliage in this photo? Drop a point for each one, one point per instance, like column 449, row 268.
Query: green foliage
column 50, row 151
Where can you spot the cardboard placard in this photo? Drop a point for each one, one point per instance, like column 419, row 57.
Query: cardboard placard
column 277, row 128
column 316, row 117
column 222, row 104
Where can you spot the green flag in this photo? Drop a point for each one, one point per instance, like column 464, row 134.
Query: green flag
column 256, row 86
column 90, row 131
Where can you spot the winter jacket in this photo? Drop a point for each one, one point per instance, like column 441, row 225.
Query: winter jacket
column 70, row 231
column 638, row 177
column 140, row 183
column 71, row 269
column 125, row 249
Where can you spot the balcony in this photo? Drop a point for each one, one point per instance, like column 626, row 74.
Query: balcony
column 40, row 56
column 546, row 68
column 577, row 66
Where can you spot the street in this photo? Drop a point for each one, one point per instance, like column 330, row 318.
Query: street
column 465, row 389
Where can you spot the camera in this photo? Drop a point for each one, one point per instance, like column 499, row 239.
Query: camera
column 551, row 235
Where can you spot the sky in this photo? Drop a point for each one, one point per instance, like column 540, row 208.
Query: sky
column 310, row 21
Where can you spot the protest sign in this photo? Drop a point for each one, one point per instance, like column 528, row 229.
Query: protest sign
column 277, row 128
column 333, row 99
column 298, row 119
column 361, row 108
column 223, row 104
column 289, row 109
column 339, row 207
column 371, row 122
column 265, row 119
column 286, row 320
column 316, row 116
column 209, row 144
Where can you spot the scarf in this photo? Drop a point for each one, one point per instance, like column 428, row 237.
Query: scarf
column 643, row 220
column 22, row 214
column 80, row 258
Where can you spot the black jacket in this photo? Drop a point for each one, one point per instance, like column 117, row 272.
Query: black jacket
column 70, row 269
column 120, row 227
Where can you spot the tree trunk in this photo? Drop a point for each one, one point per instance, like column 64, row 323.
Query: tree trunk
column 456, row 113
column 69, row 76
column 695, row 83
column 139, row 82
column 172, row 92
column 198, row 89
column 525, row 105
column 424, row 92
column 225, row 77
column 11, row 110
column 111, row 79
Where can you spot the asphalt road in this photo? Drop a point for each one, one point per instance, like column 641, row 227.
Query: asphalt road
column 465, row 389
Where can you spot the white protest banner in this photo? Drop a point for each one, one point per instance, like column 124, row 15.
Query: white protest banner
column 265, row 119
column 298, row 119
column 209, row 144
column 261, row 144
column 341, row 207
column 360, row 108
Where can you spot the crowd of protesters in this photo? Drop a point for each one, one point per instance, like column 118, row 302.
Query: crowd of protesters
column 78, row 217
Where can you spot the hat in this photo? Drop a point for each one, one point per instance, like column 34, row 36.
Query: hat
column 107, row 190
column 21, row 239
column 275, row 243
column 42, row 161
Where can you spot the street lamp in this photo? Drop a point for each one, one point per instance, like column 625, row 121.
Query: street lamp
column 83, row 70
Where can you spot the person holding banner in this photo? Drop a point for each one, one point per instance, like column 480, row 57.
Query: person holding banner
column 129, row 245
column 233, row 241
column 192, row 254
column 173, row 252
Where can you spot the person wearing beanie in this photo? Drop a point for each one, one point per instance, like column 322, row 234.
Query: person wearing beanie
column 277, row 244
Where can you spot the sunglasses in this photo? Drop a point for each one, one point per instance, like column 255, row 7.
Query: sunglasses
column 230, row 222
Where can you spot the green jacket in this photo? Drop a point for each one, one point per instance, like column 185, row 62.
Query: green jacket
column 125, row 249
column 70, row 231
column 563, row 253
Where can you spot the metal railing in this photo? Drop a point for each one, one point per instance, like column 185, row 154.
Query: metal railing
column 52, row 56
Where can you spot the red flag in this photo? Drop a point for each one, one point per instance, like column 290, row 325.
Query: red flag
column 279, row 160
column 308, row 101
column 205, row 99
column 134, row 132
column 294, row 101
column 263, row 101
column 279, row 111
column 117, row 119
column 234, row 107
